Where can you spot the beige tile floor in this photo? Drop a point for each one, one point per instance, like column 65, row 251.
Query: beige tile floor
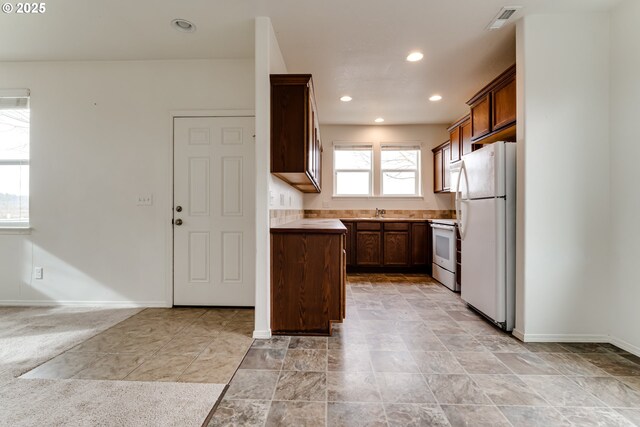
column 410, row 353
column 180, row 344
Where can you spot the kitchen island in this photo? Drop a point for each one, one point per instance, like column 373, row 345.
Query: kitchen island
column 308, row 276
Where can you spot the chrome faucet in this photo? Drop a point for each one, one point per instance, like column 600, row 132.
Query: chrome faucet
column 380, row 212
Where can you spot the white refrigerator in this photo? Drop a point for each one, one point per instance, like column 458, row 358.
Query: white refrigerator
column 485, row 190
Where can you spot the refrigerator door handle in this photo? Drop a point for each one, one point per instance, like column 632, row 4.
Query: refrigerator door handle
column 459, row 200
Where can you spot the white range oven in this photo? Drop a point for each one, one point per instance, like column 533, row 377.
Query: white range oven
column 444, row 252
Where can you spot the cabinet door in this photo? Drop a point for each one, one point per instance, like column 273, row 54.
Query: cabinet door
column 396, row 248
column 369, row 248
column 437, row 171
column 350, row 243
column 465, row 131
column 504, row 104
column 419, row 248
column 446, row 159
column 454, row 137
column 481, row 118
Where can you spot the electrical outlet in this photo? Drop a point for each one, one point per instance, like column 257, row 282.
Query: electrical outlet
column 38, row 273
column 145, row 200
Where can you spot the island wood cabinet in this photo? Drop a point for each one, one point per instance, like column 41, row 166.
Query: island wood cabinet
column 394, row 245
column 296, row 148
column 441, row 160
column 308, row 277
column 493, row 109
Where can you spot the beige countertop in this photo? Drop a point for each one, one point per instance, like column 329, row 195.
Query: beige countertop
column 321, row 225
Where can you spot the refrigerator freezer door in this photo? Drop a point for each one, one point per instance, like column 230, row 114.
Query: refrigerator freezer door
column 483, row 258
column 485, row 172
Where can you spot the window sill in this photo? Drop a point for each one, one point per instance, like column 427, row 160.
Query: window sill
column 15, row 230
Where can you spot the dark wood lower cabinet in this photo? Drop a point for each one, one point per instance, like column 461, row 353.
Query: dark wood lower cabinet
column 307, row 280
column 396, row 249
column 421, row 246
column 391, row 245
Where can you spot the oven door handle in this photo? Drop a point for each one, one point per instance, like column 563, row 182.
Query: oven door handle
column 443, row 227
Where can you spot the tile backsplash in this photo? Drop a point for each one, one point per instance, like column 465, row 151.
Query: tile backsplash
column 368, row 213
column 283, row 216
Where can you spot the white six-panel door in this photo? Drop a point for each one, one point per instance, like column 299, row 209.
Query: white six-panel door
column 214, row 211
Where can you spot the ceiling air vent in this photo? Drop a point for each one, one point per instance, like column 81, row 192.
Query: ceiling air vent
column 502, row 17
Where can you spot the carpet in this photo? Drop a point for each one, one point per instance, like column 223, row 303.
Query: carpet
column 27, row 402
column 29, row 336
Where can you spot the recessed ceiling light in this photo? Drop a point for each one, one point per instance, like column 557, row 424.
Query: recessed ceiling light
column 435, row 98
column 379, row 120
column 415, row 56
column 183, row 25
column 346, row 98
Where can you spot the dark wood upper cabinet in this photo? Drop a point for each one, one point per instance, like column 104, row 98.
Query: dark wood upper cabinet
column 465, row 136
column 504, row 104
column 441, row 160
column 481, row 117
column 296, row 148
column 454, row 138
column 437, row 171
column 446, row 168
column 493, row 109
column 460, row 138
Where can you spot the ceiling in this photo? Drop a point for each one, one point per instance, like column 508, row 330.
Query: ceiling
column 354, row 47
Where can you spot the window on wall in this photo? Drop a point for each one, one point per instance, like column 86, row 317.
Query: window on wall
column 353, row 170
column 14, row 158
column 372, row 170
column 400, row 171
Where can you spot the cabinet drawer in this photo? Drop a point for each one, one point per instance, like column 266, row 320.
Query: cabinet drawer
column 396, row 226
column 368, row 226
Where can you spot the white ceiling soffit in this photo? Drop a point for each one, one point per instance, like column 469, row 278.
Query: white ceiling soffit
column 354, row 47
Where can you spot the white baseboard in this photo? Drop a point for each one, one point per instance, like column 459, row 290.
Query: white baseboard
column 563, row 338
column 265, row 334
column 112, row 304
column 578, row 338
column 625, row 346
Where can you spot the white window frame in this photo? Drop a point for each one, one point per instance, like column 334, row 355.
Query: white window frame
column 352, row 146
column 418, row 170
column 17, row 225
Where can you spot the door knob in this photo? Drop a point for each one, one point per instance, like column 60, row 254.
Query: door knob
column 178, row 221
column 178, row 208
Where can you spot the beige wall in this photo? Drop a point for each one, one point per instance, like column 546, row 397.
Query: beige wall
column 428, row 136
column 101, row 134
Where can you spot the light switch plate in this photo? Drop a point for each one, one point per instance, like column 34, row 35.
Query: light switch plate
column 145, row 200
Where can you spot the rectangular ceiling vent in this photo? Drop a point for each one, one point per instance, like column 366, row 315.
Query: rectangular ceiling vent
column 502, row 17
